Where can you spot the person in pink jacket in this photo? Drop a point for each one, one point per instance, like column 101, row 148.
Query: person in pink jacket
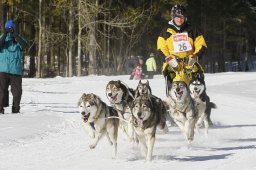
column 137, row 73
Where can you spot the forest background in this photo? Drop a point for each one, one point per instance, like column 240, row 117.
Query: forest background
column 96, row 37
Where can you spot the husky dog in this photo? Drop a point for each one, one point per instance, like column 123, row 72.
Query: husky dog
column 202, row 100
column 96, row 115
column 143, row 89
column 181, row 108
column 121, row 97
column 147, row 115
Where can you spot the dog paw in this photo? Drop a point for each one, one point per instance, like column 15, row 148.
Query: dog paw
column 92, row 146
column 197, row 130
column 189, row 142
column 148, row 159
column 206, row 133
column 165, row 129
column 199, row 124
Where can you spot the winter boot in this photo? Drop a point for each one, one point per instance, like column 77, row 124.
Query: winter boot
column 1, row 110
column 15, row 109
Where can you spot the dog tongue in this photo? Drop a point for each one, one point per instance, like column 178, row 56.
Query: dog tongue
column 114, row 97
column 86, row 117
column 140, row 123
column 180, row 93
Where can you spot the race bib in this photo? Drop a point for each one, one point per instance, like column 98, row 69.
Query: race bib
column 181, row 43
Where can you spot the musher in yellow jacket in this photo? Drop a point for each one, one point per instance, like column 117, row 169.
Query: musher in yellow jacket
column 179, row 41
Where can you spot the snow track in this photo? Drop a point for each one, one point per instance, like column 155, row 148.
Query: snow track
column 49, row 135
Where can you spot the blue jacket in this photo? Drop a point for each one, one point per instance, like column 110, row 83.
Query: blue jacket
column 11, row 59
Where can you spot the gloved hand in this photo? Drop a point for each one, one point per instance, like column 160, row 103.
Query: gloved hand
column 192, row 59
column 13, row 31
column 172, row 62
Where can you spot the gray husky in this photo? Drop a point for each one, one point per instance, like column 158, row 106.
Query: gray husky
column 145, row 89
column 147, row 115
column 120, row 98
column 202, row 100
column 98, row 122
column 182, row 108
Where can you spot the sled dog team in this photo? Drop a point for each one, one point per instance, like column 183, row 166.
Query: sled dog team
column 138, row 113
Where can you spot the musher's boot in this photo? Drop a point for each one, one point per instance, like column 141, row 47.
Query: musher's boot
column 15, row 109
column 1, row 110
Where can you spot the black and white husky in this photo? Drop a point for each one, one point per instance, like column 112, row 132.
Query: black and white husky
column 97, row 120
column 202, row 100
column 143, row 89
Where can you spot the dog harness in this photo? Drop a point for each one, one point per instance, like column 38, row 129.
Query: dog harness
column 111, row 112
column 92, row 125
column 124, row 106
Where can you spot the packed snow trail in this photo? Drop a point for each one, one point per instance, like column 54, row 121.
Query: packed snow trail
column 49, row 132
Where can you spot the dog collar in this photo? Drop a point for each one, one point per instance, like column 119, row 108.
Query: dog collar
column 92, row 125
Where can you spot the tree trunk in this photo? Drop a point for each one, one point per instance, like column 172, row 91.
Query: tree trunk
column 222, row 58
column 44, row 43
column 1, row 16
column 32, row 66
column 92, row 47
column 71, row 37
column 79, row 65
column 119, row 58
column 39, row 55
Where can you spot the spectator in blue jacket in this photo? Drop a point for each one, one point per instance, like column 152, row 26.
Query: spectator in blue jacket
column 11, row 63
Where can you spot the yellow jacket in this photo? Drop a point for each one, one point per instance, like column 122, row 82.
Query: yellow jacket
column 165, row 43
column 151, row 64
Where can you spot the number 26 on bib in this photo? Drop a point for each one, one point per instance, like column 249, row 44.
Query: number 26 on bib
column 181, row 43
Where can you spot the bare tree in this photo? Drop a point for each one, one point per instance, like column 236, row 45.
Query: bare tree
column 79, row 48
column 99, row 23
column 39, row 54
column 71, row 39
column 1, row 15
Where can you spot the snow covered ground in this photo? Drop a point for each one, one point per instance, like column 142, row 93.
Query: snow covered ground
column 49, row 135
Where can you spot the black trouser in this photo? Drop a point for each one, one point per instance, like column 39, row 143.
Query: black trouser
column 15, row 81
column 6, row 98
column 150, row 74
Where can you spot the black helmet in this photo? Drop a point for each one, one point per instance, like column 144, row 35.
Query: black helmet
column 178, row 10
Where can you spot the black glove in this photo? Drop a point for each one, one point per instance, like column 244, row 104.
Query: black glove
column 15, row 34
column 20, row 40
column 12, row 32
